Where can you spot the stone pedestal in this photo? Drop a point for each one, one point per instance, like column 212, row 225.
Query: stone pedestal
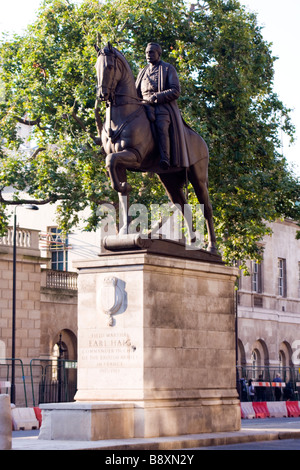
column 156, row 346
column 5, row 423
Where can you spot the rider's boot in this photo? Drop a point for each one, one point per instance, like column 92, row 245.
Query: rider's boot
column 164, row 150
column 164, row 162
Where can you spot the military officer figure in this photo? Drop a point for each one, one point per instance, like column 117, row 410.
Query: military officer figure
column 158, row 85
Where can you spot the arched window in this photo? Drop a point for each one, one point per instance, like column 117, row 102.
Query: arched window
column 282, row 361
column 254, row 361
column 60, row 351
column 55, row 357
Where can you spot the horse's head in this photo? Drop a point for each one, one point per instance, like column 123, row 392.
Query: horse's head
column 108, row 72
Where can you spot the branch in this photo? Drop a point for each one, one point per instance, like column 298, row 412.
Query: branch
column 195, row 6
column 97, row 140
column 36, row 152
column 128, row 18
column 29, row 201
column 29, row 122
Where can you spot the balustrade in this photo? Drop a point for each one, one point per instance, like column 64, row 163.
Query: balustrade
column 61, row 279
column 23, row 238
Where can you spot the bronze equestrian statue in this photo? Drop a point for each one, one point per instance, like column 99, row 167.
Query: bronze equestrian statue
column 144, row 130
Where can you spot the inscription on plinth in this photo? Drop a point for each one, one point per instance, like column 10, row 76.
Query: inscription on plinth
column 107, row 349
column 110, row 359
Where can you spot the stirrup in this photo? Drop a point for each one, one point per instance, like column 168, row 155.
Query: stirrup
column 164, row 164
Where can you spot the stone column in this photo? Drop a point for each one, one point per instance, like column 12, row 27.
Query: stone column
column 5, row 423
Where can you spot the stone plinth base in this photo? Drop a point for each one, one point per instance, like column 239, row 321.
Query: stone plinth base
column 93, row 421
column 86, row 421
column 5, row 423
column 156, row 339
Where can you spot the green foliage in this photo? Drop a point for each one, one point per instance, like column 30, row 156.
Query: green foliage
column 226, row 72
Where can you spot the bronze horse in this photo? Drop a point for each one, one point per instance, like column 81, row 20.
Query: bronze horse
column 129, row 144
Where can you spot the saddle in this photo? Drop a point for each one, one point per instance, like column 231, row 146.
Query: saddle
column 150, row 111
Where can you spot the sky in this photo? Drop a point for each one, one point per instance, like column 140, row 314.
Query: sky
column 280, row 21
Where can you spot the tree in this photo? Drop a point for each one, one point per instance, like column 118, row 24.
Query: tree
column 226, row 73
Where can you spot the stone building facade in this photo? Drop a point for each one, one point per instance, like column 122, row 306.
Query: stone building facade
column 268, row 305
column 28, row 302
column 45, row 318
column 269, row 308
column 46, row 302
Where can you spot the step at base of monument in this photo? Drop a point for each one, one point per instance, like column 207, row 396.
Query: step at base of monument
column 94, row 421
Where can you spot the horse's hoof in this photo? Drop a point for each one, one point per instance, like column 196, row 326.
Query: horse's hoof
column 212, row 249
column 125, row 188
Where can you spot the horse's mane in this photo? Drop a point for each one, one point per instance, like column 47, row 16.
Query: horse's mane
column 122, row 59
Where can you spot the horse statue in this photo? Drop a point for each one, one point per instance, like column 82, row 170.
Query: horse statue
column 129, row 142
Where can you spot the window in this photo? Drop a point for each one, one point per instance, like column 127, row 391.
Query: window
column 58, row 249
column 254, row 360
column 55, row 358
column 256, row 277
column 282, row 277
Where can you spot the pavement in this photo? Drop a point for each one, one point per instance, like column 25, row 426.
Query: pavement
column 252, row 430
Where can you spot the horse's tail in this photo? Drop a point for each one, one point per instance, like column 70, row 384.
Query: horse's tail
column 196, row 145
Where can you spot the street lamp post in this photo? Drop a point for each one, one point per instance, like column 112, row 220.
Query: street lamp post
column 13, row 343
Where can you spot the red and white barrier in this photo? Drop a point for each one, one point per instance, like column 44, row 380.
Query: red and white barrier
column 277, row 409
column 271, row 409
column 38, row 415
column 261, row 409
column 293, row 409
column 269, row 384
column 247, row 410
column 24, row 418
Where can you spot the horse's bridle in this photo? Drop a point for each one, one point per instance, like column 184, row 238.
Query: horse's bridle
column 110, row 101
column 112, row 89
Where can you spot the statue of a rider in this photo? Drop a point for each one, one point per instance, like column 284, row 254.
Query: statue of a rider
column 158, row 85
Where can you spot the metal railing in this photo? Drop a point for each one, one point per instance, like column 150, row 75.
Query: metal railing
column 40, row 381
column 57, row 380
column 20, row 378
column 263, row 377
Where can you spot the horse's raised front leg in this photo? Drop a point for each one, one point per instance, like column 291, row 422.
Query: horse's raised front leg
column 120, row 160
column 116, row 164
